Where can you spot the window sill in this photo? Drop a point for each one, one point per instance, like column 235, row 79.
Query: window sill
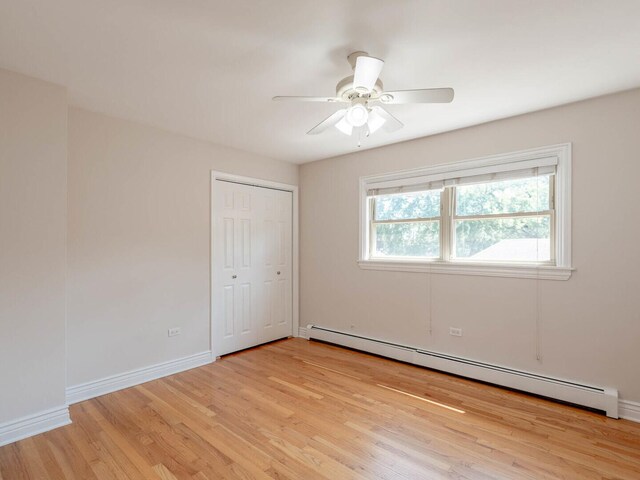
column 486, row 270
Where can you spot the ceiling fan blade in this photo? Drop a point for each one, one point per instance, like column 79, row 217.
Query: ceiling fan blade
column 366, row 73
column 425, row 95
column 391, row 123
column 308, row 99
column 330, row 121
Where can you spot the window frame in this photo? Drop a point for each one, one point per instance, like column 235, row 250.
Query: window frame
column 451, row 193
column 373, row 222
column 558, row 268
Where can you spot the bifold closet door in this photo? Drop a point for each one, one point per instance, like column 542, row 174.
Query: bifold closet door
column 252, row 266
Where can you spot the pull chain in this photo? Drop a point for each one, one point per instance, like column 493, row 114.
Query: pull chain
column 537, row 289
column 430, row 300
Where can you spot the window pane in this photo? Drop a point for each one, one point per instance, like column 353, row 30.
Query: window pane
column 500, row 239
column 506, row 196
column 407, row 239
column 404, row 206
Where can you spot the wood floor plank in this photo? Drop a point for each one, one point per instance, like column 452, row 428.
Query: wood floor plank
column 296, row 410
column 33, row 462
column 67, row 454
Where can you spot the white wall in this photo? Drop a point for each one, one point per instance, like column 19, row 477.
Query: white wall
column 33, row 178
column 139, row 223
column 590, row 328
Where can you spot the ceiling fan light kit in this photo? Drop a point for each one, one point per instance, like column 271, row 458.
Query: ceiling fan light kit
column 363, row 92
column 357, row 115
column 375, row 121
column 344, row 126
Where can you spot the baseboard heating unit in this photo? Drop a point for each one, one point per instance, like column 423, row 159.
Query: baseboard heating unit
column 600, row 398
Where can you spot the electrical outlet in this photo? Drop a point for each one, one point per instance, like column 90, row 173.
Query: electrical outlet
column 456, row 332
column 174, row 331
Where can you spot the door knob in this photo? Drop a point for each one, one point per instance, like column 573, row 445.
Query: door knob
column 234, row 276
column 278, row 273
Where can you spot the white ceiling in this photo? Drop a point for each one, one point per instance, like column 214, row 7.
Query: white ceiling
column 208, row 69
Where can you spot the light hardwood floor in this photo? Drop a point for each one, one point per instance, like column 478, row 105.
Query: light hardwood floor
column 304, row 410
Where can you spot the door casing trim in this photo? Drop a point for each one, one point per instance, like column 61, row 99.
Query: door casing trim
column 295, row 273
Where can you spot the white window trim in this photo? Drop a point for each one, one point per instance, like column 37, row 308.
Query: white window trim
column 514, row 160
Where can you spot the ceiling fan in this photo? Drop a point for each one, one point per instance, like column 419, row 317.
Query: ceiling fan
column 362, row 95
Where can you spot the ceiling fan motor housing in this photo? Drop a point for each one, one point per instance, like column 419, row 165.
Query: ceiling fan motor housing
column 346, row 91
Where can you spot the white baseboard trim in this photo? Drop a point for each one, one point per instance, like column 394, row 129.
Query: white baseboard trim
column 598, row 397
column 302, row 333
column 34, row 424
column 629, row 410
column 85, row 391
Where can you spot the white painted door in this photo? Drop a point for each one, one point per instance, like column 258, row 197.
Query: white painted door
column 252, row 266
